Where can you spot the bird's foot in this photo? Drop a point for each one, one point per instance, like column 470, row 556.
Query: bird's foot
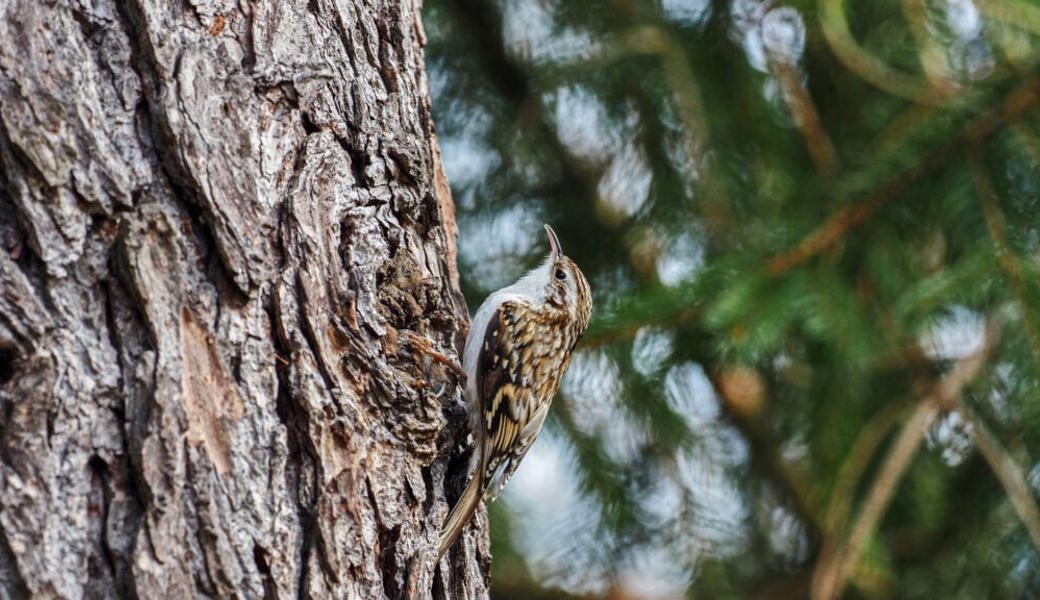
column 425, row 346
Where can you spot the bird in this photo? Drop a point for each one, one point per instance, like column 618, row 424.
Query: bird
column 517, row 349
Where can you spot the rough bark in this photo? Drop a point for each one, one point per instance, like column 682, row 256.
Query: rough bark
column 225, row 240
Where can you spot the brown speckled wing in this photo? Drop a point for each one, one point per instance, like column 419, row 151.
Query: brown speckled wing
column 505, row 404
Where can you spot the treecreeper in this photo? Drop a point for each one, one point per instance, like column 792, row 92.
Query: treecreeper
column 518, row 347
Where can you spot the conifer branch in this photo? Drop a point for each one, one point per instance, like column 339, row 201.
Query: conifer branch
column 834, row 570
column 838, row 225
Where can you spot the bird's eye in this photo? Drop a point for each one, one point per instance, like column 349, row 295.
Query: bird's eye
column 560, row 274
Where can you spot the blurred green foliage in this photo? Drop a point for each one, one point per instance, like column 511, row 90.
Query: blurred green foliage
column 813, row 234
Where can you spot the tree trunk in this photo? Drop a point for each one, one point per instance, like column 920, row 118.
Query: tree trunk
column 227, row 287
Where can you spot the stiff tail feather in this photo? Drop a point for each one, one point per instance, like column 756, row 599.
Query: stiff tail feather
column 461, row 513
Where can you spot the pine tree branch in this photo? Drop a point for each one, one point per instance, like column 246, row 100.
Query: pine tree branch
column 833, row 570
column 807, row 118
column 997, row 226
column 835, row 26
column 1007, row 471
column 838, row 225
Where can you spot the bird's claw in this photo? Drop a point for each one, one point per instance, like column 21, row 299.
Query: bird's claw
column 426, row 347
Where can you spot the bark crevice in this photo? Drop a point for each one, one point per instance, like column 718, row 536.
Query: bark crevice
column 12, row 584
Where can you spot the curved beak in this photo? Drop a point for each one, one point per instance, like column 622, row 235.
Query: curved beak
column 554, row 243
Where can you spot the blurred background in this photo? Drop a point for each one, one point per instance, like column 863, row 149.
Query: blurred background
column 812, row 229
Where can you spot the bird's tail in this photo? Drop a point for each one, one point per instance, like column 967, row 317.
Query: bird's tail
column 462, row 512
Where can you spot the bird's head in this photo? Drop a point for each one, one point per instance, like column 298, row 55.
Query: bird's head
column 563, row 285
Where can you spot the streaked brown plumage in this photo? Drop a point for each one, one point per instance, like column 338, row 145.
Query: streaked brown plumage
column 517, row 350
